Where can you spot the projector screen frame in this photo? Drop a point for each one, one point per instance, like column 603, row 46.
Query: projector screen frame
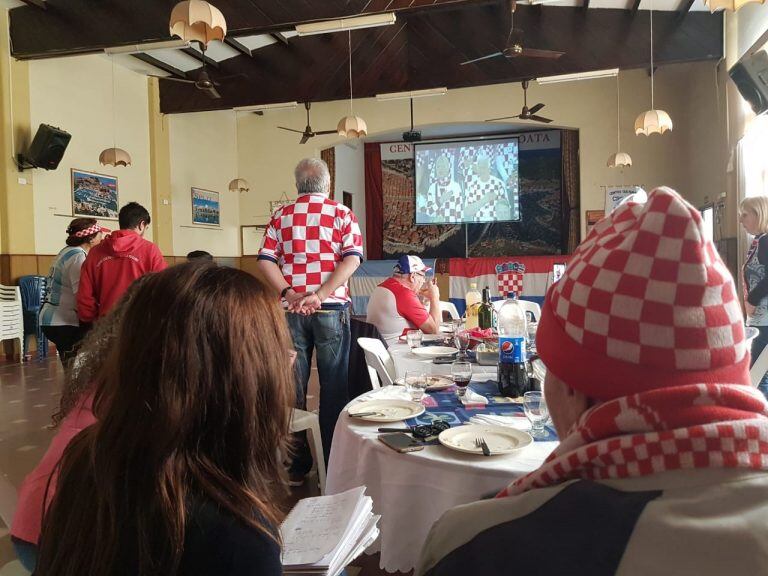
column 480, row 141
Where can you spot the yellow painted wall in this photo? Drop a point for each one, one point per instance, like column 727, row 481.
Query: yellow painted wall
column 268, row 155
column 75, row 94
column 160, row 171
column 203, row 154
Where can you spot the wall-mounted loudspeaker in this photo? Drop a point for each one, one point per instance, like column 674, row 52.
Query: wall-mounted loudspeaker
column 751, row 78
column 46, row 150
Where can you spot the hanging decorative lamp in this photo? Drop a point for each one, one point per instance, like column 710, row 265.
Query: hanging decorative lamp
column 114, row 156
column 197, row 21
column 618, row 159
column 238, row 184
column 729, row 5
column 652, row 121
column 351, row 126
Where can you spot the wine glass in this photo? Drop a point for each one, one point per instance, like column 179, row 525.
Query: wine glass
column 413, row 337
column 535, row 407
column 461, row 374
column 415, row 384
column 461, row 338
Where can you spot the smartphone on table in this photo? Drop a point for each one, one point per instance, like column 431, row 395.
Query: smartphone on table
column 400, row 442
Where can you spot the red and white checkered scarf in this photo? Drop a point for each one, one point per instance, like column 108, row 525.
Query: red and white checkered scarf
column 677, row 428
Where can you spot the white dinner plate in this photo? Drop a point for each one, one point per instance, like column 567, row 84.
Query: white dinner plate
column 433, row 382
column 434, row 351
column 386, row 410
column 500, row 439
column 425, row 338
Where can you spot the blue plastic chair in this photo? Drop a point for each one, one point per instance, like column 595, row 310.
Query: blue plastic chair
column 32, row 294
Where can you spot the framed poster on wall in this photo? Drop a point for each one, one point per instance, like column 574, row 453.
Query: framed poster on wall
column 593, row 217
column 94, row 195
column 205, row 207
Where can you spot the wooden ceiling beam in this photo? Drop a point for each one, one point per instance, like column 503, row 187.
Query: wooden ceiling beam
column 239, row 46
column 147, row 59
column 685, row 7
column 41, row 4
column 635, row 6
column 201, row 58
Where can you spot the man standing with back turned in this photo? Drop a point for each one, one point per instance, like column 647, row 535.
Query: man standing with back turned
column 115, row 263
column 311, row 248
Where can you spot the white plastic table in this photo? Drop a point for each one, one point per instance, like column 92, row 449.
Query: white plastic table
column 405, row 360
column 411, row 491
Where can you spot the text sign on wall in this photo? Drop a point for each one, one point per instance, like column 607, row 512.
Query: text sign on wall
column 397, row 151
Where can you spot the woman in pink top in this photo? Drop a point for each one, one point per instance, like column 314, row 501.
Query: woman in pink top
column 73, row 416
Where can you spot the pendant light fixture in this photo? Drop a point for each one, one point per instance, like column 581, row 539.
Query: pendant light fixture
column 351, row 126
column 238, row 184
column 114, row 156
column 619, row 159
column 652, row 121
column 729, row 5
column 197, row 21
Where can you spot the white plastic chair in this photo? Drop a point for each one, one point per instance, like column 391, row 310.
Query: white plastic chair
column 302, row 420
column 759, row 368
column 11, row 317
column 527, row 305
column 381, row 367
column 449, row 307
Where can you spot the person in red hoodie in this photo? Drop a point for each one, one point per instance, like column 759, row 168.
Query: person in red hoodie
column 121, row 258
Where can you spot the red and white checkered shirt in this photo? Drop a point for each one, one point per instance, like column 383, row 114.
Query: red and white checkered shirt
column 308, row 239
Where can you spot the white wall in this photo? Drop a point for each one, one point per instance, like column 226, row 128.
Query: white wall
column 75, row 94
column 350, row 177
column 204, row 155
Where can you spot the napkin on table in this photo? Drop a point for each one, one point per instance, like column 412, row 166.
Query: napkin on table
column 520, row 423
column 388, row 393
column 472, row 398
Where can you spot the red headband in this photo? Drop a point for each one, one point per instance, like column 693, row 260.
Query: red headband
column 95, row 229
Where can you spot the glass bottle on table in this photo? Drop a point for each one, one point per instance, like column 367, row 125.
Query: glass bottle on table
column 485, row 311
column 473, row 299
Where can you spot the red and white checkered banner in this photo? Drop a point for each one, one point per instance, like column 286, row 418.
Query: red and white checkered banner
column 510, row 278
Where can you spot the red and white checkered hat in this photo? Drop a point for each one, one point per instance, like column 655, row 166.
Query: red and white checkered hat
column 646, row 302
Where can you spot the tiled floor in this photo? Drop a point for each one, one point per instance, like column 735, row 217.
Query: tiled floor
column 29, row 395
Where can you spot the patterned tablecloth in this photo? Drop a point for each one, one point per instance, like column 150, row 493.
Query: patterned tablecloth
column 411, row 491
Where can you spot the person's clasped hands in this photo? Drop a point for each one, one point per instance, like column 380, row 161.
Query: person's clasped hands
column 305, row 303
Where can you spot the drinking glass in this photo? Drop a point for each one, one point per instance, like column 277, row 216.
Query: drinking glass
column 416, row 384
column 532, row 327
column 461, row 374
column 535, row 408
column 413, row 337
column 461, row 338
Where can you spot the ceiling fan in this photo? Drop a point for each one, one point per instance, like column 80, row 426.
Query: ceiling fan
column 526, row 113
column 308, row 133
column 514, row 47
column 203, row 81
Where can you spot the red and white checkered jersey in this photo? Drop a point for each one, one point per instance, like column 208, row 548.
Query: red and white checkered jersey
column 308, row 239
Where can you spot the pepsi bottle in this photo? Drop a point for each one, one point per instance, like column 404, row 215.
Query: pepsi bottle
column 512, row 371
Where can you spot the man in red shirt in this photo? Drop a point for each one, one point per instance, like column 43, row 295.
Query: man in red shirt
column 115, row 263
column 395, row 307
column 310, row 249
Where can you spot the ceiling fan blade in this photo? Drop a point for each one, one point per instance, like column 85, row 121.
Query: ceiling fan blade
column 172, row 79
column 304, row 138
column 322, row 132
column 218, row 81
column 536, row 108
column 494, row 55
column 539, row 119
column 504, row 118
column 212, row 93
column 291, row 130
column 535, row 53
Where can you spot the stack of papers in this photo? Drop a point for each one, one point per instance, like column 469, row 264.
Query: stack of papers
column 322, row 535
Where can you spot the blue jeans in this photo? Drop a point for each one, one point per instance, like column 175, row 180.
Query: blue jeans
column 760, row 342
column 327, row 332
column 26, row 552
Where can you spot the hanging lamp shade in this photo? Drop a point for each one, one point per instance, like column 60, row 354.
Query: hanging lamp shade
column 729, row 5
column 352, row 127
column 239, row 185
column 619, row 160
column 114, row 157
column 653, row 122
column 197, row 21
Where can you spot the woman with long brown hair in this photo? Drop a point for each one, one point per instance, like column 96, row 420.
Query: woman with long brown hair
column 180, row 474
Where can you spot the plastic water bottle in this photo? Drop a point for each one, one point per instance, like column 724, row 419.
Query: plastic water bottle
column 513, row 329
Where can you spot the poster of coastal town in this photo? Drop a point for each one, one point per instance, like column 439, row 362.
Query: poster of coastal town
column 205, row 207
column 94, row 195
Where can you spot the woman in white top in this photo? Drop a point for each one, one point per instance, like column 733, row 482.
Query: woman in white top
column 58, row 316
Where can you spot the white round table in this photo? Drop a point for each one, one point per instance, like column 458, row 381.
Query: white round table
column 405, row 360
column 411, row 491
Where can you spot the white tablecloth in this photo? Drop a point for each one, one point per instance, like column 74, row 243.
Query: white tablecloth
column 411, row 491
column 405, row 360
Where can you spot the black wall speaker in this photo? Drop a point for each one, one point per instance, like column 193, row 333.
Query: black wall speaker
column 751, row 78
column 47, row 148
